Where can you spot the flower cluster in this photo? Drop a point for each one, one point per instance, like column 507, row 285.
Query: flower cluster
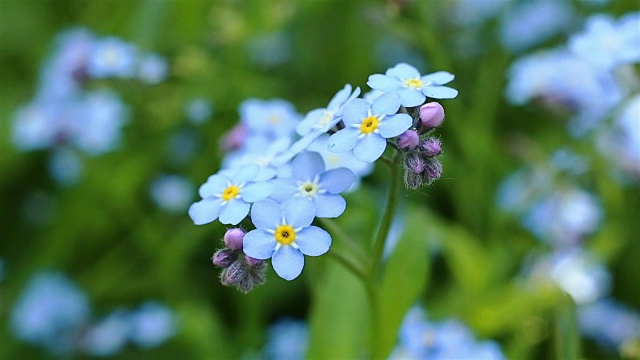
column 240, row 271
column 285, row 170
column 66, row 115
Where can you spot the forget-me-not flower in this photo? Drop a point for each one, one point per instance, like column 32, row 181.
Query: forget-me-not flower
column 229, row 196
column 310, row 181
column 368, row 126
column 284, row 234
column 113, row 57
column 323, row 119
column 412, row 88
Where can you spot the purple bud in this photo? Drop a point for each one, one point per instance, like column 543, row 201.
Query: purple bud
column 233, row 275
column 253, row 262
column 224, row 258
column 431, row 147
column 414, row 162
column 433, row 169
column 412, row 180
column 408, row 140
column 431, row 115
column 233, row 238
column 234, row 138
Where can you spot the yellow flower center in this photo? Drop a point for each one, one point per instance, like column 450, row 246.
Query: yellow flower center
column 274, row 119
column 230, row 193
column 285, row 235
column 309, row 189
column 369, row 124
column 414, row 83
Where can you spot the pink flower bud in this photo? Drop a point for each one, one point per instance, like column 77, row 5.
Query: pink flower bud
column 431, row 147
column 433, row 169
column 233, row 238
column 431, row 115
column 234, row 138
column 408, row 140
column 414, row 162
column 224, row 258
column 252, row 261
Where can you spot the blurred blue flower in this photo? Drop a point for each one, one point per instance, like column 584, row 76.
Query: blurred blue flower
column 310, row 181
column 65, row 166
column 367, row 126
column 473, row 12
column 620, row 142
column 607, row 43
column 199, row 110
column 172, row 193
column 609, row 322
column 153, row 69
column 528, row 24
column 229, row 197
column 109, row 336
column 287, row 339
column 284, row 233
column 152, row 324
column 450, row 339
column 50, row 312
column 274, row 118
column 261, row 151
column 413, row 89
column 323, row 119
column 113, row 57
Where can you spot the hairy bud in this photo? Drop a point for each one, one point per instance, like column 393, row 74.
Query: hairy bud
column 224, row 258
column 408, row 140
column 233, row 238
column 431, row 147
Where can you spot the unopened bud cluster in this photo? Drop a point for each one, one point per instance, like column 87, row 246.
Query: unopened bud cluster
column 238, row 270
column 421, row 149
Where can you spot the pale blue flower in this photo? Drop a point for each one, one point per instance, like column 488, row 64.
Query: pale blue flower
column 621, row 141
column 199, row 110
column 261, row 151
column 172, row 193
column 310, row 181
column 367, row 126
column 113, row 57
column 98, row 122
column 287, row 339
column 50, row 312
column 65, row 166
column 323, row 119
column 229, row 197
column 109, row 336
column 153, row 69
column 274, row 119
column 341, row 160
column 413, row 89
column 609, row 322
column 284, row 234
column 607, row 43
column 152, row 324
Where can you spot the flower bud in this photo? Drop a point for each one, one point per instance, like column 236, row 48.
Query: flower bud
column 233, row 238
column 412, row 179
column 414, row 162
column 408, row 140
column 234, row 274
column 432, row 169
column 431, row 147
column 224, row 258
column 253, row 262
column 234, row 138
column 431, row 115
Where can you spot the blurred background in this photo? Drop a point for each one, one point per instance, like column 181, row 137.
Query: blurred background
column 112, row 113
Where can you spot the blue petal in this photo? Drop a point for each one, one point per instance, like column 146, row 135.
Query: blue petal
column 403, row 71
column 411, row 97
column 343, row 140
column 313, row 241
column 394, row 125
column 266, row 214
column 298, row 212
column 384, row 83
column 312, row 118
column 204, row 211
column 440, row 92
column 215, row 185
column 339, row 98
column 283, row 189
column 386, row 104
column 259, row 244
column 437, row 78
column 256, row 191
column 307, row 166
column 287, row 262
column 370, row 148
column 337, row 180
column 234, row 211
column 246, row 173
column 329, row 205
column 355, row 111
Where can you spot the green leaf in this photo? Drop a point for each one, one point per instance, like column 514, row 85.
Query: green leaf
column 405, row 277
column 567, row 339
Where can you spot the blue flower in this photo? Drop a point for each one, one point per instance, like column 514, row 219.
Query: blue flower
column 310, row 181
column 321, row 120
column 172, row 193
column 283, row 233
column 228, row 197
column 368, row 126
column 272, row 118
column 152, row 324
column 113, row 57
column 153, row 69
column 412, row 88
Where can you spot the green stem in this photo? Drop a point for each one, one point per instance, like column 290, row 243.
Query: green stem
column 347, row 240
column 387, row 217
column 347, row 262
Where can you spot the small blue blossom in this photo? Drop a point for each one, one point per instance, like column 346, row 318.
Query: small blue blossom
column 113, row 57
column 310, row 181
column 287, row 339
column 261, row 151
column 368, row 126
column 323, row 119
column 172, row 193
column 152, row 69
column 609, row 322
column 199, row 110
column 274, row 119
column 109, row 336
column 228, row 197
column 413, row 89
column 152, row 324
column 65, row 166
column 284, row 234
